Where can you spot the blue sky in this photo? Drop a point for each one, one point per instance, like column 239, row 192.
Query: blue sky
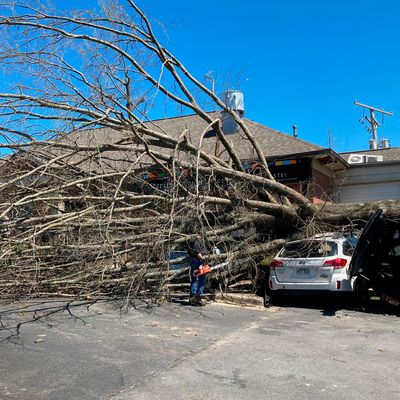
column 299, row 62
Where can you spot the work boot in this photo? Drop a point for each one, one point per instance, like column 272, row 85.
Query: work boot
column 193, row 300
column 201, row 301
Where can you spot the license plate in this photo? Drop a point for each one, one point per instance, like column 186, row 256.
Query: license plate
column 303, row 271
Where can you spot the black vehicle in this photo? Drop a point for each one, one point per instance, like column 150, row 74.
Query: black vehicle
column 375, row 265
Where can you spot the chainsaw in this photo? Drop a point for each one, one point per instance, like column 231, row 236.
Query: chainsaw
column 206, row 269
column 202, row 270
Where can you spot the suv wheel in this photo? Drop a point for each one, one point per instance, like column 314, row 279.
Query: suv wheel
column 275, row 299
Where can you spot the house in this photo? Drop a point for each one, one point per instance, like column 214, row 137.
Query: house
column 371, row 175
column 301, row 165
column 319, row 173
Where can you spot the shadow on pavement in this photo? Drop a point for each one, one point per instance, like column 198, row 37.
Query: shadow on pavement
column 330, row 305
column 14, row 316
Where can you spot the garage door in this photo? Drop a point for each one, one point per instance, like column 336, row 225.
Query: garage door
column 369, row 192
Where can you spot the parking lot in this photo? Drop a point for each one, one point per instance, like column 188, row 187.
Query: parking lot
column 59, row 350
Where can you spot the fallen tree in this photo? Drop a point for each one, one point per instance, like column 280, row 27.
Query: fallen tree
column 79, row 216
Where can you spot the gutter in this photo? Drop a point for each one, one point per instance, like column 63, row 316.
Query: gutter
column 312, row 154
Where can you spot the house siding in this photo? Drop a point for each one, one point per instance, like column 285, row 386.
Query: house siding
column 368, row 183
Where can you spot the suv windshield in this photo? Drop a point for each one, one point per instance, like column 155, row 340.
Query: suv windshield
column 309, row 248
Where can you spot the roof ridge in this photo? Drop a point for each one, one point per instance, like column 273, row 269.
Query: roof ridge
column 369, row 150
column 180, row 116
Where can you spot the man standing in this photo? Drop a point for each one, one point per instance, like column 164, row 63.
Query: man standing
column 197, row 282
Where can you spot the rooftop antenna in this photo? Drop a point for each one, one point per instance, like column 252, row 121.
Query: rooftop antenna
column 209, row 77
column 373, row 123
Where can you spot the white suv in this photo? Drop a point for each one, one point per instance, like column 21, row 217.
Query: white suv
column 319, row 263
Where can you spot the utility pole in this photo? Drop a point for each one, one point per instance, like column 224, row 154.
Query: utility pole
column 374, row 124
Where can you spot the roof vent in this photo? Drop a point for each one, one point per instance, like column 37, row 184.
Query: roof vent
column 234, row 100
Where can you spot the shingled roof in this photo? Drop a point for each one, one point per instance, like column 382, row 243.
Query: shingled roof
column 274, row 143
column 389, row 155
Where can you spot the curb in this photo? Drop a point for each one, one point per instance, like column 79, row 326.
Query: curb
column 242, row 299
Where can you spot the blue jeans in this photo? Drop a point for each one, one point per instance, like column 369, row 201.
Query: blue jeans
column 197, row 283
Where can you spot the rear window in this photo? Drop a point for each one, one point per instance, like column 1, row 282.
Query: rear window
column 309, row 248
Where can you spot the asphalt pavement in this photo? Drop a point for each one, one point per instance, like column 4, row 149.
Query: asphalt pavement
column 58, row 350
